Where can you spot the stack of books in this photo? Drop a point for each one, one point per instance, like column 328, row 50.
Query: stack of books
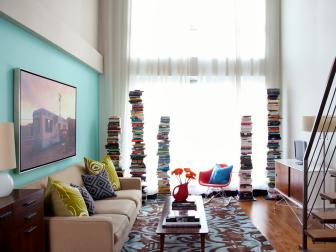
column 182, row 214
column 245, row 187
column 274, row 139
column 184, row 205
column 182, row 218
column 113, row 145
column 138, row 167
column 164, row 157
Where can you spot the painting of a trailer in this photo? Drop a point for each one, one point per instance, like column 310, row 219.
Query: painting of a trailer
column 45, row 120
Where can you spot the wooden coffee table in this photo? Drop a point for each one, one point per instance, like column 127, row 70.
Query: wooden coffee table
column 202, row 231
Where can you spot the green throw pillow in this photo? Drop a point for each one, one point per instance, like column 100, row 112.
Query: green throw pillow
column 48, row 208
column 67, row 201
column 95, row 167
column 113, row 176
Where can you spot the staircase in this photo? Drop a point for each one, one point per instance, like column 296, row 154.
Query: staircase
column 319, row 158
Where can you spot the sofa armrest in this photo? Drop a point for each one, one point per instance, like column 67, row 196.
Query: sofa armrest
column 130, row 183
column 68, row 234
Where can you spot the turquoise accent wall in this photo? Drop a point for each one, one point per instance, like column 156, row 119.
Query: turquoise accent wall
column 21, row 49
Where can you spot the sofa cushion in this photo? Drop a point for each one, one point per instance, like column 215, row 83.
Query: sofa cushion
column 116, row 206
column 134, row 195
column 121, row 226
column 98, row 185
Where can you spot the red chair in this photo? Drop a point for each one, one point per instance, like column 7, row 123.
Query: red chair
column 203, row 179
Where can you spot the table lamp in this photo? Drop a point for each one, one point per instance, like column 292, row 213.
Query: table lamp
column 329, row 125
column 7, row 158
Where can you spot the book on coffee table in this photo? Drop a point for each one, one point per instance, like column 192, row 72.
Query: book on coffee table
column 184, row 205
column 181, row 222
column 182, row 228
column 183, row 213
column 182, row 219
column 177, row 215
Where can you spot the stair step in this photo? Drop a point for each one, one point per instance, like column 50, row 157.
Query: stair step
column 321, row 250
column 329, row 196
column 322, row 235
column 325, row 217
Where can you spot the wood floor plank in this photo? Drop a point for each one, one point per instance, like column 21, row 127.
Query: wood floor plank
column 280, row 226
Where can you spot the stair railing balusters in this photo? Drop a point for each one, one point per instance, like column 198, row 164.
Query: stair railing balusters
column 318, row 140
column 323, row 180
column 322, row 148
column 305, row 205
column 306, row 165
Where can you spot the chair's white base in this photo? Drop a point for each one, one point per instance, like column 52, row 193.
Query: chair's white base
column 209, row 199
column 219, row 193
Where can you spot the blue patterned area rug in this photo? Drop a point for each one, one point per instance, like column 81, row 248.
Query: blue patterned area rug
column 230, row 229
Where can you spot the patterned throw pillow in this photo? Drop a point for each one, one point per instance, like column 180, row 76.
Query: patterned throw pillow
column 113, row 176
column 87, row 198
column 94, row 167
column 98, row 185
column 67, row 201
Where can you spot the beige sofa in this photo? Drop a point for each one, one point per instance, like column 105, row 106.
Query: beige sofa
column 106, row 231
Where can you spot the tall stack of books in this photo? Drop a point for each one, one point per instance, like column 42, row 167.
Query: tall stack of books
column 113, row 145
column 138, row 167
column 274, row 139
column 245, row 186
column 164, row 157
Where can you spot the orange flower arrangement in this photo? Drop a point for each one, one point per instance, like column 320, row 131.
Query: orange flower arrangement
column 189, row 174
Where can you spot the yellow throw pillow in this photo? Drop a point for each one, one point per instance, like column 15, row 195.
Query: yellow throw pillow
column 113, row 176
column 67, row 201
column 48, row 208
column 95, row 167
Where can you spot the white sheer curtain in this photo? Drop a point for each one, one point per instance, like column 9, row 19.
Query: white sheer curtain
column 201, row 62
column 114, row 44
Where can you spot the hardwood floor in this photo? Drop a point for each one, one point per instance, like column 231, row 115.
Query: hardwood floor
column 279, row 225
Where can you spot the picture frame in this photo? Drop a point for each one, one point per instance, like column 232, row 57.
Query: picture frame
column 45, row 120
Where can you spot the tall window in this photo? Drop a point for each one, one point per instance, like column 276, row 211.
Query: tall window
column 201, row 62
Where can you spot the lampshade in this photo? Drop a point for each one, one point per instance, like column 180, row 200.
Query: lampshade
column 7, row 146
column 329, row 124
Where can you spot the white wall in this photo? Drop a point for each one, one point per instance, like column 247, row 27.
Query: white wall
column 81, row 16
column 308, row 50
column 71, row 25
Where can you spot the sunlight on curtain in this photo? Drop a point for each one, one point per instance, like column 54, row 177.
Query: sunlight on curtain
column 201, row 63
